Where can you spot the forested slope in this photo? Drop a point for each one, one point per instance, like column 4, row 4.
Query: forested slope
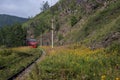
column 82, row 21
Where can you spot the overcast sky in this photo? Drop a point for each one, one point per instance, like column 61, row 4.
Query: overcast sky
column 22, row 8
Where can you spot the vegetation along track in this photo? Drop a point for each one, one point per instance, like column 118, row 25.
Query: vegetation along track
column 24, row 72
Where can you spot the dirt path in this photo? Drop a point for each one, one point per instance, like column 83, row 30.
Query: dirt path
column 26, row 72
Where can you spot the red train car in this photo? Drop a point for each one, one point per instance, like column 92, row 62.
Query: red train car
column 32, row 42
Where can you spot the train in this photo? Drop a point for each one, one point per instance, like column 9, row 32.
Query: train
column 32, row 43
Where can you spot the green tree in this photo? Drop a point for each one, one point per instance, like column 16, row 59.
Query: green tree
column 45, row 6
column 12, row 36
column 19, row 35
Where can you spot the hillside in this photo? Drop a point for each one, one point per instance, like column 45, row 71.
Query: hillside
column 10, row 20
column 86, row 43
column 92, row 23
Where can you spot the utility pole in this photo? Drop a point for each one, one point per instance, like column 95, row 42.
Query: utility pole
column 52, row 33
column 52, row 26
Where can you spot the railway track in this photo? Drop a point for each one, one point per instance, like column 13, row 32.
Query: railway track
column 25, row 71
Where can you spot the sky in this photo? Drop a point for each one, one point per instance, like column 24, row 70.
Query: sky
column 22, row 8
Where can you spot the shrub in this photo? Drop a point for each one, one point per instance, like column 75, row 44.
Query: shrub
column 115, row 47
column 60, row 37
column 5, row 52
column 73, row 20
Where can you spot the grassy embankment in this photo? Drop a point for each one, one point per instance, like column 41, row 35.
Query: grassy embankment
column 15, row 59
column 78, row 63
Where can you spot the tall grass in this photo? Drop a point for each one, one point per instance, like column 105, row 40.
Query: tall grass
column 15, row 59
column 79, row 64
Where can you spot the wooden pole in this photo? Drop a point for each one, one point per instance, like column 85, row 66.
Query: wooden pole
column 52, row 35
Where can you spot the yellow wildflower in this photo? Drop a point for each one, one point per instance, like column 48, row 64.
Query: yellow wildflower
column 117, row 79
column 103, row 77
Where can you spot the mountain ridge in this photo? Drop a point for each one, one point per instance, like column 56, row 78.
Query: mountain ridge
column 8, row 20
